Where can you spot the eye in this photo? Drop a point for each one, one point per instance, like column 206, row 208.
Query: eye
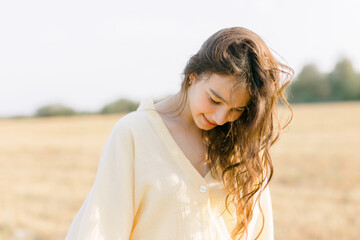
column 213, row 101
column 238, row 110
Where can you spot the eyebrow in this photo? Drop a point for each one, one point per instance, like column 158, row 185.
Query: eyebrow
column 221, row 98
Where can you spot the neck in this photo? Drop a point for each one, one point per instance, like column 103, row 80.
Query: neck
column 184, row 117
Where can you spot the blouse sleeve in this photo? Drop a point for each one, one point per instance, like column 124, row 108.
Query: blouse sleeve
column 108, row 210
column 268, row 230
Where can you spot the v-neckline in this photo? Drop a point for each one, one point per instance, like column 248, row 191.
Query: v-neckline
column 172, row 144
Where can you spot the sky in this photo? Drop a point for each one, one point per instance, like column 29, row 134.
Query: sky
column 86, row 54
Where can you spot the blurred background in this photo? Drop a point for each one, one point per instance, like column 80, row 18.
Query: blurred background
column 70, row 69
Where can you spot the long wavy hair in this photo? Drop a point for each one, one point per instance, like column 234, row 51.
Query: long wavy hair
column 240, row 149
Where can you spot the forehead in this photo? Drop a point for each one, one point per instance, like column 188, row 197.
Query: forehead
column 228, row 87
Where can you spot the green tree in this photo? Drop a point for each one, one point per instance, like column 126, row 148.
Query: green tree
column 120, row 106
column 345, row 82
column 54, row 110
column 309, row 86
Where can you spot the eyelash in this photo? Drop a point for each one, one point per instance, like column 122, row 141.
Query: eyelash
column 214, row 102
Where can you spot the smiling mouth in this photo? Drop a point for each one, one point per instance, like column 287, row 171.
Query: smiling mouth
column 208, row 122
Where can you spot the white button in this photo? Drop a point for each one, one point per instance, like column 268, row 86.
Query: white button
column 203, row 188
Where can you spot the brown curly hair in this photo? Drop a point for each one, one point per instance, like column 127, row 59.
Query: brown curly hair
column 240, row 149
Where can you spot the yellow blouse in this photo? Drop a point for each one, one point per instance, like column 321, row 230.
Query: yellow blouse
column 146, row 189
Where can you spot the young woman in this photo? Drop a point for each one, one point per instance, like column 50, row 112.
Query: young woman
column 195, row 165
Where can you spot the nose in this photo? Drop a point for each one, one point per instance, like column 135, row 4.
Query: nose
column 220, row 117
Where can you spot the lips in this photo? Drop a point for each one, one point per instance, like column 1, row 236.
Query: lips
column 208, row 122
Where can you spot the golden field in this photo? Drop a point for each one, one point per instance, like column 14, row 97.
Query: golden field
column 48, row 165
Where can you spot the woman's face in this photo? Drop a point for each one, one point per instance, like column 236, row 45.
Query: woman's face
column 211, row 102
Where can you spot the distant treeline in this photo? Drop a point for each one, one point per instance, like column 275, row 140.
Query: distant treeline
column 120, row 106
column 310, row 85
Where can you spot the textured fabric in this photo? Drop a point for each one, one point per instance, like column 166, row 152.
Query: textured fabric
column 146, row 189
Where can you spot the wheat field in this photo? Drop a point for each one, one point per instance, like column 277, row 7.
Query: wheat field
column 48, row 165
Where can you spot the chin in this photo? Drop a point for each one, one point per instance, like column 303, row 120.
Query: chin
column 206, row 128
column 201, row 125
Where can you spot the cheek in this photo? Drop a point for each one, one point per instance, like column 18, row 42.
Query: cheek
column 204, row 105
column 199, row 103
